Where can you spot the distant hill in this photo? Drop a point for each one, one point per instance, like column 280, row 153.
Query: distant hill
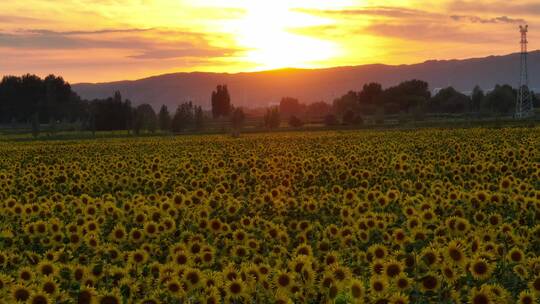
column 309, row 85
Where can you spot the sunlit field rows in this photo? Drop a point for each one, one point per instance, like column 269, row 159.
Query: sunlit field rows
column 430, row 216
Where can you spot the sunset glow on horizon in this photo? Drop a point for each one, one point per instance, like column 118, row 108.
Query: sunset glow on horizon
column 107, row 40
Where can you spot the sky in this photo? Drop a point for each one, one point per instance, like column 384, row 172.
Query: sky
column 107, row 40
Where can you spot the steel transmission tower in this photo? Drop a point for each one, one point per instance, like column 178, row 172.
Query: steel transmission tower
column 524, row 106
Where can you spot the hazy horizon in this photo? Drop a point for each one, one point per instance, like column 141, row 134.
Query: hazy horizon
column 130, row 39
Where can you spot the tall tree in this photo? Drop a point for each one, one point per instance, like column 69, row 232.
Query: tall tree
column 502, row 100
column 318, row 109
column 347, row 102
column 221, row 101
column 272, row 118
column 144, row 119
column 164, row 118
column 449, row 100
column 476, row 99
column 368, row 97
column 404, row 97
column 198, row 118
column 289, row 106
column 237, row 119
column 183, row 117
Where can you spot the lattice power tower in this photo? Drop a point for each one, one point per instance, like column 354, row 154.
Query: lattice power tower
column 524, row 106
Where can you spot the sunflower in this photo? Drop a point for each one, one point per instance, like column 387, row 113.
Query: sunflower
column 378, row 251
column 283, row 280
column 211, row 296
column 150, row 300
column 331, row 258
column 136, row 235
column 46, row 268
column 194, row 278
column 118, row 233
column 235, row 290
column 480, row 268
column 49, row 286
column 534, row 285
column 515, row 255
column 392, row 268
column 429, row 282
column 481, row 296
column 26, row 274
column 449, row 274
column 357, row 291
column 150, row 229
column 341, row 274
column 402, row 282
column 526, row 297
column 430, row 256
column 110, row 297
column 455, row 253
column 20, row 292
column 521, row 272
column 39, row 298
column 175, row 288
column 326, row 280
column 138, row 257
column 378, row 284
column 399, row 298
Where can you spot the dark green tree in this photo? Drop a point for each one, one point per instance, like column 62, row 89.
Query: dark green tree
column 221, row 102
column 449, row 100
column 164, row 118
column 330, row 120
column 35, row 125
column 183, row 117
column 404, row 97
column 347, row 102
column 295, row 122
column 368, row 97
column 500, row 101
column 289, row 107
column 199, row 118
column 476, row 99
column 237, row 119
column 144, row 119
column 351, row 118
column 272, row 118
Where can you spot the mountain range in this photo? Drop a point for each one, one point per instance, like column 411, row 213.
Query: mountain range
column 258, row 89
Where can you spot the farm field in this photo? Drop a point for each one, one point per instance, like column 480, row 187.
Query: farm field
column 429, row 216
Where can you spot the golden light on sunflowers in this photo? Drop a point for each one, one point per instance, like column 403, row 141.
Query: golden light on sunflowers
column 321, row 217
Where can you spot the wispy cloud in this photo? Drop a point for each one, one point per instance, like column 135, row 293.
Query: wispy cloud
column 185, row 52
column 375, row 11
column 521, row 7
column 70, row 33
column 476, row 19
column 185, row 44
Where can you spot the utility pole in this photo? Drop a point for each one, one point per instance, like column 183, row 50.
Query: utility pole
column 524, row 106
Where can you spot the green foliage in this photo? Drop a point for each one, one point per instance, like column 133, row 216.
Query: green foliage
column 221, row 101
column 502, row 100
column 449, row 100
column 144, row 118
column 330, row 120
column 272, row 118
column 237, row 118
column 164, row 118
column 35, row 125
column 184, row 117
column 295, row 122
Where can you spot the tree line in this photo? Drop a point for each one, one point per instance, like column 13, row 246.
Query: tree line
column 410, row 98
column 31, row 100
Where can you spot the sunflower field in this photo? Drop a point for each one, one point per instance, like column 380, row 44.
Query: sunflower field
column 430, row 216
